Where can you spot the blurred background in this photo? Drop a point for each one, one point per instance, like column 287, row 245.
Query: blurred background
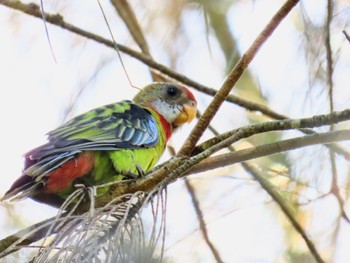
column 202, row 40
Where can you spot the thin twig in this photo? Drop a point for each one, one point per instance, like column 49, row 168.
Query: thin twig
column 115, row 45
column 27, row 236
column 346, row 35
column 288, row 212
column 195, row 202
column 329, row 58
column 329, row 54
column 128, row 16
column 47, row 30
column 202, row 226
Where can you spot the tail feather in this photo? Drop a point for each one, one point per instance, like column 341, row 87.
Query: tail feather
column 22, row 188
column 32, row 181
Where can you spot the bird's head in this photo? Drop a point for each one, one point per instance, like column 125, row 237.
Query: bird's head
column 175, row 103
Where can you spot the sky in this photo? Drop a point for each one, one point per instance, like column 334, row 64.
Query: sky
column 36, row 90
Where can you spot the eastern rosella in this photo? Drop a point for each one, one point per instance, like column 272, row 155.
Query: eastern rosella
column 105, row 144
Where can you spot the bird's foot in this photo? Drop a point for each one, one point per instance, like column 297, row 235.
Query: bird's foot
column 140, row 171
column 79, row 186
column 129, row 175
column 91, row 192
column 132, row 176
column 91, row 189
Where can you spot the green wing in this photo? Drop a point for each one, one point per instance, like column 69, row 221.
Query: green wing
column 114, row 126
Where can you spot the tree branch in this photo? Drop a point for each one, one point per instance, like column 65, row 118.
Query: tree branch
column 233, row 77
column 239, row 156
column 346, row 35
column 288, row 212
column 128, row 16
column 329, row 59
column 202, row 225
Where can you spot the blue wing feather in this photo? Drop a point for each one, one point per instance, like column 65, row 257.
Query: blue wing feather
column 115, row 126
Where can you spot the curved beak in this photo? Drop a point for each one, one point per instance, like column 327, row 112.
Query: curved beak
column 188, row 113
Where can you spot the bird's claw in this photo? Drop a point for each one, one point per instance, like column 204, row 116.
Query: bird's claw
column 79, row 186
column 92, row 189
column 140, row 171
column 132, row 176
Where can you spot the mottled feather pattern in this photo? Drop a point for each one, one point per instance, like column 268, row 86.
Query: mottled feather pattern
column 114, row 126
column 47, row 164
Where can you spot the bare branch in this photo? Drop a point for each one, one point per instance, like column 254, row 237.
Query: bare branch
column 346, row 35
column 329, row 54
column 128, row 16
column 268, row 149
column 288, row 212
column 202, row 225
column 329, row 58
column 287, row 124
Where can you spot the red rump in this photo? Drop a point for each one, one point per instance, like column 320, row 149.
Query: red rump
column 62, row 177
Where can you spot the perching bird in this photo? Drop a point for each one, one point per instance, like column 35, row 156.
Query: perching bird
column 105, row 144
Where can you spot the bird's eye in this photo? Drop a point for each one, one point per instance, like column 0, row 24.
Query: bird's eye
column 172, row 91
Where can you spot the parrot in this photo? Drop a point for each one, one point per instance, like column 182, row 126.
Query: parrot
column 118, row 141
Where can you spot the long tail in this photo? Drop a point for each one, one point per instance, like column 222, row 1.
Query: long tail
column 34, row 175
column 22, row 188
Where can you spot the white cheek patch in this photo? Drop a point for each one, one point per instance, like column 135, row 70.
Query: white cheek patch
column 169, row 112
